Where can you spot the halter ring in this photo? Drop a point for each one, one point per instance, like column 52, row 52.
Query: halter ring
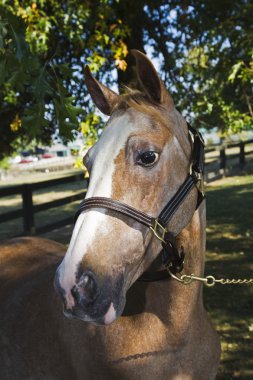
column 159, row 231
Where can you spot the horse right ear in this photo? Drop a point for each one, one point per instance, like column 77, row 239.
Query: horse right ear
column 149, row 79
column 104, row 98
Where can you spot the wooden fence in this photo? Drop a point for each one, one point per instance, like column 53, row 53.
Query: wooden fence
column 28, row 209
column 221, row 159
column 217, row 165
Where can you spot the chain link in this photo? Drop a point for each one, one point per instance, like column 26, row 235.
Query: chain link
column 209, row 281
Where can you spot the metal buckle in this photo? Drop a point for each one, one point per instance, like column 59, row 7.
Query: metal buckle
column 190, row 169
column 200, row 186
column 194, row 173
column 159, row 231
column 199, row 179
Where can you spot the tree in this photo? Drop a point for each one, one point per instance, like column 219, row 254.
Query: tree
column 206, row 55
column 204, row 47
column 43, row 45
column 208, row 59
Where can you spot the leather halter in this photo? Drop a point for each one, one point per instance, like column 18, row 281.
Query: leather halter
column 170, row 255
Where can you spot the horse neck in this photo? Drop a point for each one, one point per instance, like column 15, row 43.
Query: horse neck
column 193, row 239
column 173, row 302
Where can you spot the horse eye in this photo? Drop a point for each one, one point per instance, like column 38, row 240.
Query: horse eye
column 148, row 158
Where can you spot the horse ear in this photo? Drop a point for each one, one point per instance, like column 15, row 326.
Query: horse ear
column 149, row 79
column 104, row 98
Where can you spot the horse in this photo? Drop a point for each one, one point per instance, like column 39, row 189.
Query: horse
column 120, row 323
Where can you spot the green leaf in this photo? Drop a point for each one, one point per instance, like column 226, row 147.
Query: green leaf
column 41, row 85
column 65, row 70
column 2, row 70
column 235, row 70
column 19, row 43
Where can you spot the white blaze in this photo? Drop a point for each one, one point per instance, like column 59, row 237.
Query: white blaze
column 107, row 149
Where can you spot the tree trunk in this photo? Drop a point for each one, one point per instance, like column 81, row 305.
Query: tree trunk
column 135, row 20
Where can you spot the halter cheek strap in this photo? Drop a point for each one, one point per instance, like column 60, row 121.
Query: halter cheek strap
column 170, row 255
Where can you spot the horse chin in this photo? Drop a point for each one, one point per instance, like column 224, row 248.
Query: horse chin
column 109, row 317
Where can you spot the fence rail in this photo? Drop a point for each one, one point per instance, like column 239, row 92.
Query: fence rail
column 216, row 166
column 28, row 209
column 226, row 159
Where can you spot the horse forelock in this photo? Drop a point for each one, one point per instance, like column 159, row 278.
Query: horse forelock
column 162, row 114
column 137, row 100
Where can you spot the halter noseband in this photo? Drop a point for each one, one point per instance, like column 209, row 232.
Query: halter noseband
column 171, row 257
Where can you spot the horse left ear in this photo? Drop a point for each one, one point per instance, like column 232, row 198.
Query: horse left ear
column 104, row 98
column 149, row 79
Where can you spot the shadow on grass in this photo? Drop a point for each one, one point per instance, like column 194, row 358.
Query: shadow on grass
column 15, row 227
column 13, row 202
column 230, row 255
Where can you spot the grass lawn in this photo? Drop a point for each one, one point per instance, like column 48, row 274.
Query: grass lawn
column 230, row 254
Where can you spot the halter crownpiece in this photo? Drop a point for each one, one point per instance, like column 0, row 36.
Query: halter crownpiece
column 171, row 257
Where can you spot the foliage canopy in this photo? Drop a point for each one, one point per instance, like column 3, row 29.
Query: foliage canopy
column 42, row 50
column 205, row 49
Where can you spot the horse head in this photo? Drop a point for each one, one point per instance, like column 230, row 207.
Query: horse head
column 141, row 159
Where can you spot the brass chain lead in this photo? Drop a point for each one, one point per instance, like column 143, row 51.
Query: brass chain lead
column 209, row 281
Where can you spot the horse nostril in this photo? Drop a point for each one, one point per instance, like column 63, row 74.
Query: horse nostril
column 86, row 290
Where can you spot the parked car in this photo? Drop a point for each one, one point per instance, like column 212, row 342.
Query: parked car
column 28, row 160
column 48, row 155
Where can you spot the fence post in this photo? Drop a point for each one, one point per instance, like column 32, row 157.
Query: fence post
column 223, row 160
column 28, row 214
column 242, row 155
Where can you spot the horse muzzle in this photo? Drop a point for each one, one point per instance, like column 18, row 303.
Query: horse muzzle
column 89, row 301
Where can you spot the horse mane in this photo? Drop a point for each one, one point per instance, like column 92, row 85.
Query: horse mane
column 139, row 101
